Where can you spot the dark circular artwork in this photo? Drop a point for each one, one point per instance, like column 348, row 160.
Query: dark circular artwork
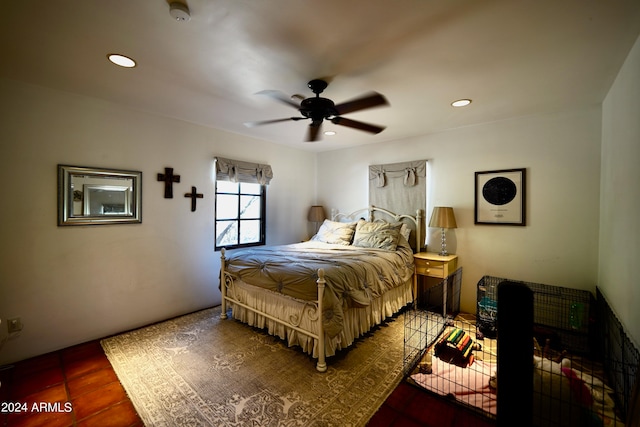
column 499, row 190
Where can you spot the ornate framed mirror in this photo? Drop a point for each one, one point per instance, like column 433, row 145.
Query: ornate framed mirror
column 91, row 196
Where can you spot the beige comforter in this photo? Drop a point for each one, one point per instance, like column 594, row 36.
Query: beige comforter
column 355, row 276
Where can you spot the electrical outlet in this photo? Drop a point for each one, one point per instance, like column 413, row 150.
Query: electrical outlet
column 14, row 325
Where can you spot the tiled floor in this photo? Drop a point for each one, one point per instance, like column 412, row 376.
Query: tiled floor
column 72, row 387
column 78, row 387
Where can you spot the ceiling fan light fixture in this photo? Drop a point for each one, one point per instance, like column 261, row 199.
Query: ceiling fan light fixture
column 461, row 103
column 121, row 60
column 319, row 109
column 330, row 132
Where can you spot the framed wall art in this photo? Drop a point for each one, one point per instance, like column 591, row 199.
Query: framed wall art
column 500, row 197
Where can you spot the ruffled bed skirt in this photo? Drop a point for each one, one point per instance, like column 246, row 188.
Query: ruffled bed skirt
column 357, row 320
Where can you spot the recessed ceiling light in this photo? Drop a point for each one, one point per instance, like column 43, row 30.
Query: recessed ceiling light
column 461, row 103
column 121, row 60
column 329, row 132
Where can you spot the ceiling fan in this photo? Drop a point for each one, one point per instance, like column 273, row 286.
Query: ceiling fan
column 318, row 109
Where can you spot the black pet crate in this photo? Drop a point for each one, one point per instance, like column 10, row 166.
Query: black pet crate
column 424, row 321
column 620, row 358
column 562, row 317
column 569, row 324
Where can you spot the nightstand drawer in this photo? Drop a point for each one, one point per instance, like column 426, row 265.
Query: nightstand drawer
column 430, row 268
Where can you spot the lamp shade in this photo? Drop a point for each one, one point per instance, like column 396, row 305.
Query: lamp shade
column 442, row 217
column 316, row 214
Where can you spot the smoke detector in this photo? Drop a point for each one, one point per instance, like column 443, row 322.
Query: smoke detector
column 179, row 11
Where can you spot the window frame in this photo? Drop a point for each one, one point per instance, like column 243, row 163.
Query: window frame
column 262, row 219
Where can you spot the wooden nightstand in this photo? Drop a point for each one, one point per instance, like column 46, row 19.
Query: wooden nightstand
column 433, row 268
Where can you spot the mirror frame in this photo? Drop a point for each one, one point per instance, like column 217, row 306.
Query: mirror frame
column 65, row 196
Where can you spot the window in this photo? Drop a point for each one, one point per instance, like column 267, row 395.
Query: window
column 240, row 203
column 240, row 214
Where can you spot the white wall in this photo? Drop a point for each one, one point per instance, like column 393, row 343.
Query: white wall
column 619, row 274
column 561, row 153
column 74, row 284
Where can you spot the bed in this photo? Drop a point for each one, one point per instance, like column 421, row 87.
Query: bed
column 321, row 295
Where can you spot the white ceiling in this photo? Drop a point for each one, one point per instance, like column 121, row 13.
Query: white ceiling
column 512, row 58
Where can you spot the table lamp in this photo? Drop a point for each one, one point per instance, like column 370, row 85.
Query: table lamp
column 443, row 218
column 317, row 215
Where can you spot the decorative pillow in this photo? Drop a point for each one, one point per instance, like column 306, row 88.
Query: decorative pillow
column 382, row 235
column 337, row 233
column 405, row 231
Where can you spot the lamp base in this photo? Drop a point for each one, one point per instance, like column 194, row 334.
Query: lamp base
column 443, row 251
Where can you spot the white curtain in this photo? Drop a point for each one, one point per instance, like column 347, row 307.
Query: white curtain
column 399, row 187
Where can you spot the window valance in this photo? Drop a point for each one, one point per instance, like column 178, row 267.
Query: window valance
column 409, row 172
column 239, row 171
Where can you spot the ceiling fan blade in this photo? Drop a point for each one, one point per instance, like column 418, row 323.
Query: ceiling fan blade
column 267, row 122
column 279, row 96
column 357, row 125
column 373, row 99
column 314, row 132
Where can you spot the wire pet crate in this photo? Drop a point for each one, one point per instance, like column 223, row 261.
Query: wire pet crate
column 427, row 332
column 562, row 316
column 424, row 321
column 585, row 365
column 620, row 358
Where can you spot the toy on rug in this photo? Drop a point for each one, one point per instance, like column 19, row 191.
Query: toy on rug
column 456, row 347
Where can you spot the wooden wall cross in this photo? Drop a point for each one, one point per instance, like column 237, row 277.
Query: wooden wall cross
column 169, row 178
column 194, row 196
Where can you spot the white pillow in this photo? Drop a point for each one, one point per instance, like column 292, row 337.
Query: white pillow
column 337, row 233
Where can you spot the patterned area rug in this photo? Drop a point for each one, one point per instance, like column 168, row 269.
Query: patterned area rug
column 199, row 370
